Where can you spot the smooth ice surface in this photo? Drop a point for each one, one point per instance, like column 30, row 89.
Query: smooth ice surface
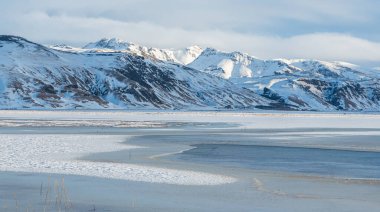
column 317, row 161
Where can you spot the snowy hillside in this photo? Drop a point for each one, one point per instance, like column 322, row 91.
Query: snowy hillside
column 305, row 84
column 34, row 76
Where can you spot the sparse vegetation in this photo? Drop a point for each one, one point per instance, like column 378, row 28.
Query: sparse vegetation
column 53, row 197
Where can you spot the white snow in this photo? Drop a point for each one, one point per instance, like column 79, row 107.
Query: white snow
column 188, row 55
column 59, row 154
column 274, row 81
column 245, row 71
column 81, row 123
column 227, row 66
column 350, row 65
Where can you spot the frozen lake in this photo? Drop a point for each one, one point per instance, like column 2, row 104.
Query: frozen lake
column 313, row 161
column 202, row 161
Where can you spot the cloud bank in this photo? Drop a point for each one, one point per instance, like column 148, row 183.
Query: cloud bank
column 326, row 30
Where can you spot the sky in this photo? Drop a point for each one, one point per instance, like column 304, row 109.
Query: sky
column 343, row 30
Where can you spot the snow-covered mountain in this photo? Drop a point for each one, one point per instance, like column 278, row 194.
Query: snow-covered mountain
column 112, row 73
column 182, row 56
column 305, row 84
column 35, row 76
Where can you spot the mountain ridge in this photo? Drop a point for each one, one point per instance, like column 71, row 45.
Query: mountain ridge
column 35, row 76
column 113, row 73
column 183, row 56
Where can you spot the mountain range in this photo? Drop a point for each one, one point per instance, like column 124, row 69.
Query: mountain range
column 111, row 73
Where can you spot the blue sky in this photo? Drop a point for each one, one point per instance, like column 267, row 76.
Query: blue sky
column 317, row 29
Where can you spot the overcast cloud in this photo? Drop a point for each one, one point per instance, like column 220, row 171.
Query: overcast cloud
column 319, row 29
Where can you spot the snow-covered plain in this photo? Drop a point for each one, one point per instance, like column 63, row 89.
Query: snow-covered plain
column 256, row 120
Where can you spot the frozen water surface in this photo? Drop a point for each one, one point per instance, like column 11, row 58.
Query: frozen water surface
column 317, row 161
column 188, row 161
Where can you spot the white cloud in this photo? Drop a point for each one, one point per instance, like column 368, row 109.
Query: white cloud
column 174, row 26
column 331, row 46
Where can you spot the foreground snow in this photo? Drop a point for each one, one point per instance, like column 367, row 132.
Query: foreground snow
column 58, row 154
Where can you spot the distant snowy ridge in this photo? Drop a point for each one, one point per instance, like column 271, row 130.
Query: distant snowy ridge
column 303, row 84
column 182, row 56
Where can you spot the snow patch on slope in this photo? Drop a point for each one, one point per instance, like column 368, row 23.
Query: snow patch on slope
column 245, row 72
column 227, row 66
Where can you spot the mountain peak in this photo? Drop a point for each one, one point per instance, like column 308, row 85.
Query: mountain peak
column 233, row 55
column 109, row 43
column 183, row 56
column 194, row 48
column 209, row 51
